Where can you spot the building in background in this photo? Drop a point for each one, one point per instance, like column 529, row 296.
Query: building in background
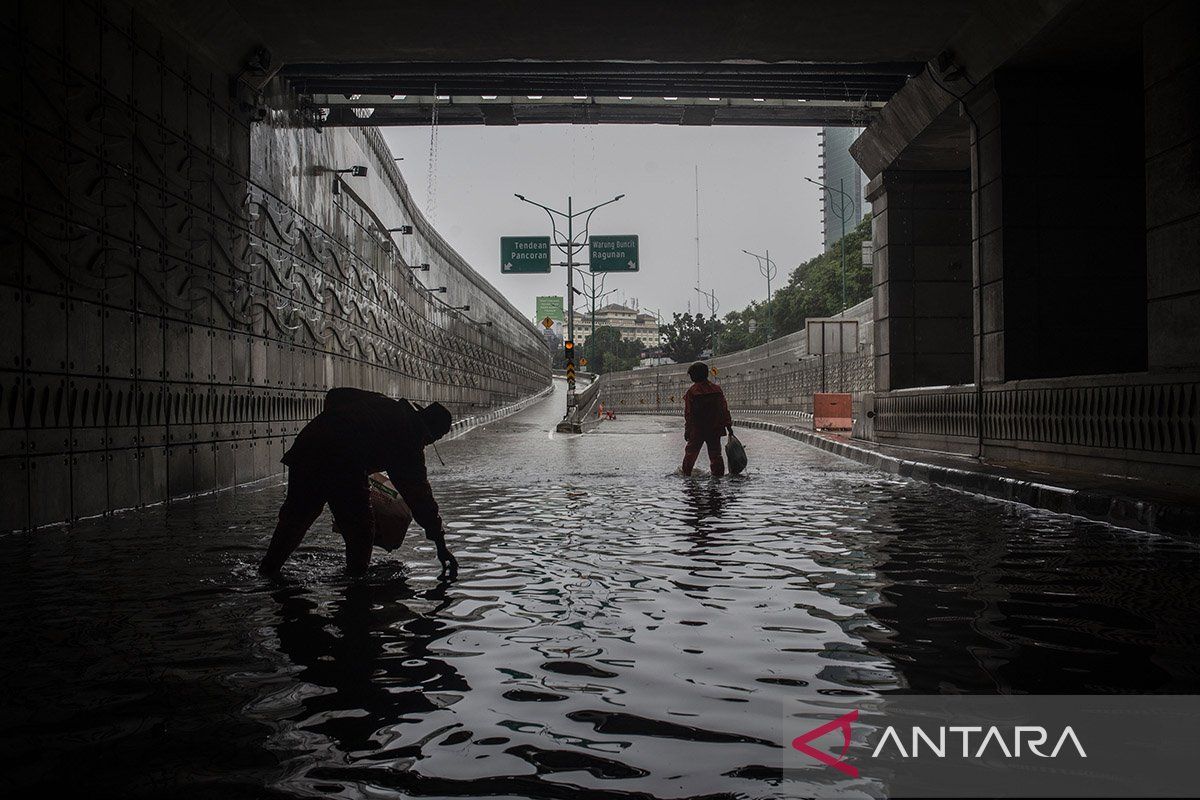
column 632, row 324
column 839, row 171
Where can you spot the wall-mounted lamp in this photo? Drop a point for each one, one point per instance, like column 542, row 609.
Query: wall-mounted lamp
column 405, row 230
column 438, row 290
column 422, row 267
column 460, row 308
column 357, row 171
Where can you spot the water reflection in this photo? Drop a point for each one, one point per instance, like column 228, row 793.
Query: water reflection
column 1009, row 599
column 370, row 648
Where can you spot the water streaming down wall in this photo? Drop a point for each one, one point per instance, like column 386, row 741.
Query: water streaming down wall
column 180, row 285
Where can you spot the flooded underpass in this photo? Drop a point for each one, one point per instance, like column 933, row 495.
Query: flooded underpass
column 616, row 629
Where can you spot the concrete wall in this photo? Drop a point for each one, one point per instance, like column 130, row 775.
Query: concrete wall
column 921, row 231
column 1085, row 199
column 777, row 377
column 1061, row 190
column 1171, row 75
column 179, row 286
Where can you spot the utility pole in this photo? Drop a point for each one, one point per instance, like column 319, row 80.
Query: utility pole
column 568, row 246
column 840, row 213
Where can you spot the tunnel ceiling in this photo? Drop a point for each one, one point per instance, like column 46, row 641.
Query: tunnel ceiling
column 509, row 93
column 836, row 53
column 380, row 31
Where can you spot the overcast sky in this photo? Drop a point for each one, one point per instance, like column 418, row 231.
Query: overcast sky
column 752, row 196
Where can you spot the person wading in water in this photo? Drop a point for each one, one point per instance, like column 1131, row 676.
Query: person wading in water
column 705, row 419
column 359, row 433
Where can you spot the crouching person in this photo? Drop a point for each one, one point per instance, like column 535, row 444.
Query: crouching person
column 356, row 434
column 705, row 420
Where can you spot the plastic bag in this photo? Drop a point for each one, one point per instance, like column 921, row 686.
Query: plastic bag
column 391, row 513
column 735, row 454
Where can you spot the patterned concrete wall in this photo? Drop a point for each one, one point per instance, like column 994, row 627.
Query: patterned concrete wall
column 178, row 286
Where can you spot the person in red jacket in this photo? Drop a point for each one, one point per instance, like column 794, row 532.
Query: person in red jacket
column 705, row 420
column 358, row 433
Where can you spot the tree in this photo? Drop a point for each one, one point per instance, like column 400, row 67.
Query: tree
column 736, row 333
column 687, row 336
column 611, row 353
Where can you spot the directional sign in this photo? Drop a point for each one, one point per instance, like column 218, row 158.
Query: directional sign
column 547, row 323
column 550, row 306
column 613, row 253
column 524, row 254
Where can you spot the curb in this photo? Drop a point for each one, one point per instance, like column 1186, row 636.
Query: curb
column 468, row 424
column 1178, row 520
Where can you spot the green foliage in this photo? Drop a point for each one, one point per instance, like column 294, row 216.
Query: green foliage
column 736, row 334
column 608, row 352
column 686, row 336
column 813, row 289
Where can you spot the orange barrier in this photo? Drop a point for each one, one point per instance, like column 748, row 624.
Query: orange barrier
column 831, row 411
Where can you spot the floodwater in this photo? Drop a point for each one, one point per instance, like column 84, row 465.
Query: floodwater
column 616, row 631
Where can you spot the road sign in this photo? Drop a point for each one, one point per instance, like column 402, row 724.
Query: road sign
column 583, row 362
column 547, row 323
column 613, row 253
column 522, row 254
column 550, row 306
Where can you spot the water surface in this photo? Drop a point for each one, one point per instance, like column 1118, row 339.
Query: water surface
column 616, row 629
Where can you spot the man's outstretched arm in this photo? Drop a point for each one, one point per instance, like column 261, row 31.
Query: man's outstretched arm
column 412, row 482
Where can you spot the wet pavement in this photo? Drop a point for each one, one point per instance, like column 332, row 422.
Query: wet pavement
column 617, row 630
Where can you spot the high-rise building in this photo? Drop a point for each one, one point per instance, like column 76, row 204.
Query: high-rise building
column 838, row 170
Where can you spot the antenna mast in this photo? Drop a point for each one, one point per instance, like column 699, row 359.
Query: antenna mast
column 697, row 166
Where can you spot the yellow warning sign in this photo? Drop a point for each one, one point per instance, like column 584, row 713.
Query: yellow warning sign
column 547, row 323
column 583, row 362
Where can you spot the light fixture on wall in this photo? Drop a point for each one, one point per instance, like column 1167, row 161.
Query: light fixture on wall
column 460, row 308
column 405, row 230
column 357, row 171
column 422, row 267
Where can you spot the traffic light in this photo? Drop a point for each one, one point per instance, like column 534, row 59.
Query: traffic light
column 569, row 347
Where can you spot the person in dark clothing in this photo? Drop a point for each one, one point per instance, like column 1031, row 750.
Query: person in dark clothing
column 705, row 420
column 358, row 433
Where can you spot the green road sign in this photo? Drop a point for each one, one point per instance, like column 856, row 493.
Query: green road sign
column 524, row 254
column 613, row 253
column 550, row 306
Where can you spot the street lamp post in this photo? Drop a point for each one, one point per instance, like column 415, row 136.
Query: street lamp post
column 768, row 269
column 569, row 246
column 710, row 298
column 594, row 297
column 840, row 213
